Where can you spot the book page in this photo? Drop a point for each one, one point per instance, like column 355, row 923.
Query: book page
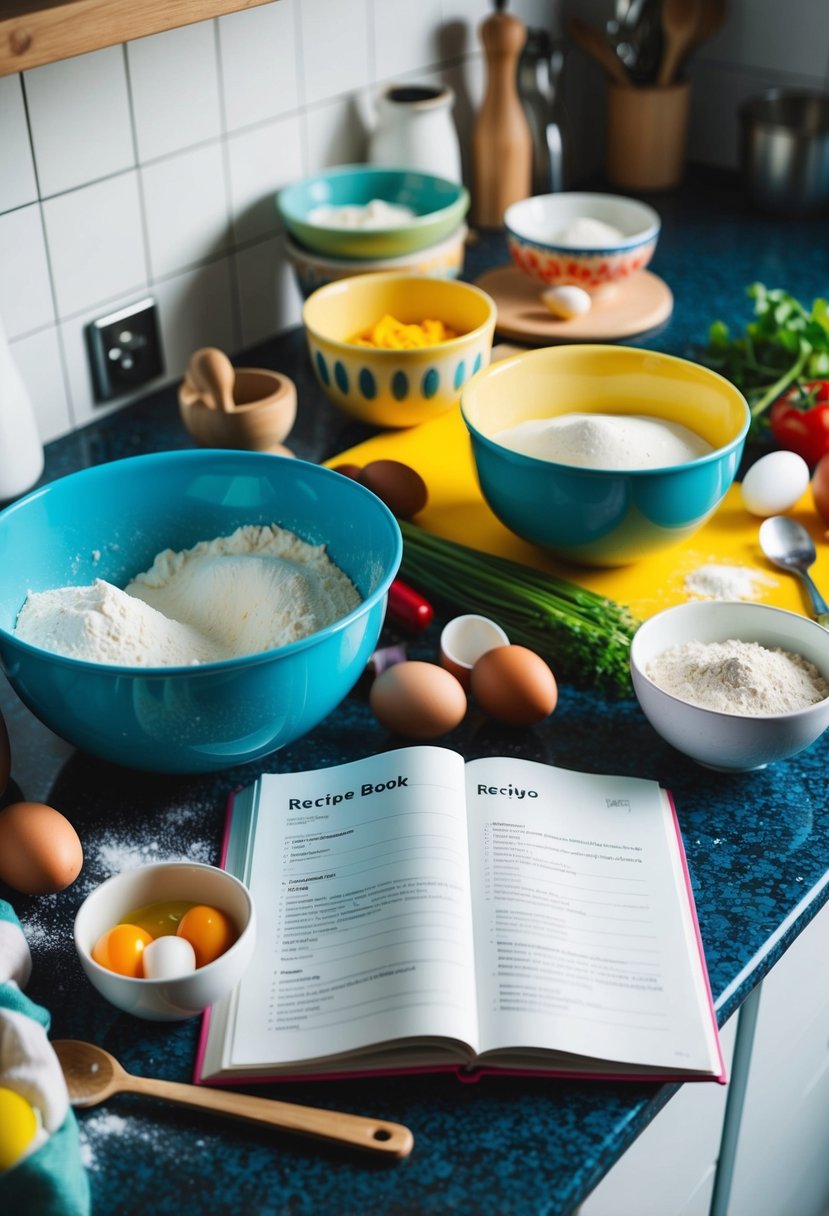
column 360, row 878
column 585, row 942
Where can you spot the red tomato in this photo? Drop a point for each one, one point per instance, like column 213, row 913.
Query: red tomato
column 800, row 420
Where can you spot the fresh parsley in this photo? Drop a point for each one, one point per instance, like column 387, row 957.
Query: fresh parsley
column 783, row 345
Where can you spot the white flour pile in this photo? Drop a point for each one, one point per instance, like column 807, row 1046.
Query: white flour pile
column 738, row 677
column 259, row 588
column 720, row 582
column 605, row 441
column 585, row 232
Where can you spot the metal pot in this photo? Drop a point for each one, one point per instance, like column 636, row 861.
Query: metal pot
column 784, row 150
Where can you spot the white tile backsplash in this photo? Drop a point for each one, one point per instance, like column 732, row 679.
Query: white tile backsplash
column 151, row 168
column 260, row 68
column 260, row 162
column 38, row 359
column 404, row 39
column 268, row 297
column 95, row 240
column 174, row 82
column 335, row 46
column 336, row 132
column 196, row 309
column 187, row 209
column 18, row 184
column 26, row 301
column 80, row 120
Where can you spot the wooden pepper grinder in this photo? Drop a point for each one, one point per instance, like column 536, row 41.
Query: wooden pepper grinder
column 502, row 141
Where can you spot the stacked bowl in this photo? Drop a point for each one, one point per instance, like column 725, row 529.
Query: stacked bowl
column 358, row 219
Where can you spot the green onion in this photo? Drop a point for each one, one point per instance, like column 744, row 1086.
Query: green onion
column 585, row 637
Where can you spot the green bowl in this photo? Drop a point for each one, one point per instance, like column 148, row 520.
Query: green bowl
column 439, row 207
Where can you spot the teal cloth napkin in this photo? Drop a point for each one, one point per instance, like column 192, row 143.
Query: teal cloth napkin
column 51, row 1180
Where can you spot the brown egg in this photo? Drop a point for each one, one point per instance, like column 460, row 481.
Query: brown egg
column 416, row 699
column 5, row 757
column 40, row 852
column 398, row 485
column 514, row 685
column 348, row 470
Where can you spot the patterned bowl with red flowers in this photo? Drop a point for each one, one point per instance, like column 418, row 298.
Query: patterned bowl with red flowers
column 593, row 241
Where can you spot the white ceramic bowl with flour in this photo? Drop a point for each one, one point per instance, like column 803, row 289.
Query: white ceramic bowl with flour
column 753, row 725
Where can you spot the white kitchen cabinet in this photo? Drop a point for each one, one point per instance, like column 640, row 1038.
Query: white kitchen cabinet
column 669, row 1170
column 781, row 1166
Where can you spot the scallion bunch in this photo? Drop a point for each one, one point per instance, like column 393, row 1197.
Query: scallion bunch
column 585, row 637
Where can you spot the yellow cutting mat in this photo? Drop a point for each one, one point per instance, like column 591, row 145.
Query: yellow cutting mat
column 440, row 451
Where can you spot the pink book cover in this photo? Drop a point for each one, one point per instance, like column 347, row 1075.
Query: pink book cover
column 469, row 1075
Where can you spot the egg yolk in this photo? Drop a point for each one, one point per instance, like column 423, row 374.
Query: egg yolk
column 208, row 930
column 161, row 919
column 121, row 949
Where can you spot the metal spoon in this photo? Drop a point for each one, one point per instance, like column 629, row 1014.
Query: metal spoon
column 93, row 1075
column 786, row 543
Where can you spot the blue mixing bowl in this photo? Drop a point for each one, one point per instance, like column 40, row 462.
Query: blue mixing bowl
column 603, row 516
column 109, row 522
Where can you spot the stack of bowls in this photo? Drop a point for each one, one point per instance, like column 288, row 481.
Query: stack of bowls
column 430, row 240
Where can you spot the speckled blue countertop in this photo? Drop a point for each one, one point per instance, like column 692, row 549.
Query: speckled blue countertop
column 757, row 846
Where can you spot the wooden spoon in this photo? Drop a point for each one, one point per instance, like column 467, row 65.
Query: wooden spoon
column 680, row 19
column 593, row 43
column 213, row 376
column 711, row 17
column 93, row 1075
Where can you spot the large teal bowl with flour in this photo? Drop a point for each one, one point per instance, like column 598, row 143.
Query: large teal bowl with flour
column 109, row 522
column 603, row 514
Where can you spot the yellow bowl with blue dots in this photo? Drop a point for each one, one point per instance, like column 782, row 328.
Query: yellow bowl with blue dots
column 397, row 387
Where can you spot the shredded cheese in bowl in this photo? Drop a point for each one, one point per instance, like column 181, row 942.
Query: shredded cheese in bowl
column 390, row 334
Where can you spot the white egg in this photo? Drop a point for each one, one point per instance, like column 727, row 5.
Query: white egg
column 168, row 957
column 567, row 302
column 774, row 483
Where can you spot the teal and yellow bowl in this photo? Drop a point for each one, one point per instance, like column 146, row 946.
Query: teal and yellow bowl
column 397, row 388
column 109, row 522
column 603, row 516
column 438, row 208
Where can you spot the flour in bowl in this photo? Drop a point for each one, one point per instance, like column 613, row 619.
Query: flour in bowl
column 737, row 677
column 605, row 441
column 257, row 589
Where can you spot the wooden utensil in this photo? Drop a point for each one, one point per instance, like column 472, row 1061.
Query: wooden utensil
column 711, row 17
column 212, row 375
column 502, row 147
column 594, row 44
column 680, row 19
column 93, row 1075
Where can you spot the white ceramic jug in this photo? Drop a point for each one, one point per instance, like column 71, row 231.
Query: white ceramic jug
column 415, row 130
column 21, row 452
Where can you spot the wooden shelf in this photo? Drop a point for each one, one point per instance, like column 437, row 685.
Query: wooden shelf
column 34, row 32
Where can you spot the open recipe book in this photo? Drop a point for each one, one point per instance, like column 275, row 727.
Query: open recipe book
column 418, row 912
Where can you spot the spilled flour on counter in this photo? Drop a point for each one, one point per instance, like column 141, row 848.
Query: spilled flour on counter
column 738, row 677
column 720, row 582
column 257, row 589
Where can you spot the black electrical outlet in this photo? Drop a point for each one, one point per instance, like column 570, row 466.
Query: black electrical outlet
column 124, row 350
